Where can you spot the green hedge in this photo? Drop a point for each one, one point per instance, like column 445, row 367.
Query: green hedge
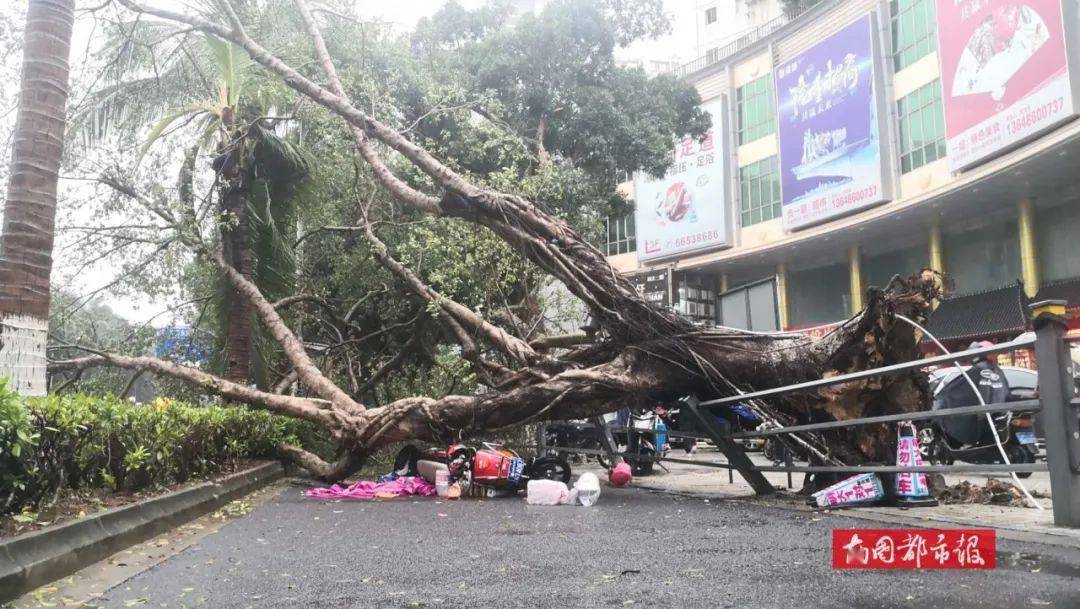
column 55, row 444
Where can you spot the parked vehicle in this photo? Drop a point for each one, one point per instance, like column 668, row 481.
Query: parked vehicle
column 573, row 435
column 730, row 419
column 1023, row 385
column 643, row 445
column 493, row 467
column 969, row 438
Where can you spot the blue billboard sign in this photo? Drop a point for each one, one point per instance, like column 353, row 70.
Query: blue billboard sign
column 829, row 124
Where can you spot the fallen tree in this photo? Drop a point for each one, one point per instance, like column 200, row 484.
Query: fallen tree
column 640, row 353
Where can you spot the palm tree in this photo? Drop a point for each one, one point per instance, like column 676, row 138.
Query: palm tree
column 30, row 210
column 259, row 174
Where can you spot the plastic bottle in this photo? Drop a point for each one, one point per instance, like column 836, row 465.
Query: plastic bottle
column 442, row 483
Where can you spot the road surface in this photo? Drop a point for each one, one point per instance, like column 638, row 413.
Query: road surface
column 633, row 549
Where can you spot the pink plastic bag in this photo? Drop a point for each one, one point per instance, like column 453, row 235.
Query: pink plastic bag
column 546, row 492
column 366, row 489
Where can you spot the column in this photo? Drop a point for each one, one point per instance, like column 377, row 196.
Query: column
column 855, row 278
column 1029, row 253
column 937, row 257
column 781, row 294
column 937, row 251
column 723, row 285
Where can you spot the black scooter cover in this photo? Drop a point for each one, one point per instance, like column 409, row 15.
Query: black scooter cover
column 994, row 388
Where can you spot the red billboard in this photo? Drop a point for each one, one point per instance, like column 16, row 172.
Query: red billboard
column 1004, row 74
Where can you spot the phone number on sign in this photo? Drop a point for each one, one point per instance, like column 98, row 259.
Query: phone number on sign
column 1035, row 116
column 696, row 238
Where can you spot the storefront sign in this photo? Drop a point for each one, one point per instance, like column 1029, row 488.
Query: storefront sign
column 829, row 128
column 653, row 286
column 1004, row 74
column 687, row 209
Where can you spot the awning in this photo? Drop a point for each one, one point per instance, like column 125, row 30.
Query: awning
column 995, row 313
column 1062, row 289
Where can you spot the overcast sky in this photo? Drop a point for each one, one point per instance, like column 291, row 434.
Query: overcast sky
column 679, row 44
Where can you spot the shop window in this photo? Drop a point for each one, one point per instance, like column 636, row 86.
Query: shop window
column 1056, row 234
column 620, row 234
column 759, row 185
column 914, row 31
column 922, row 127
column 878, row 268
column 695, row 297
column 818, row 296
column 985, row 258
column 757, row 112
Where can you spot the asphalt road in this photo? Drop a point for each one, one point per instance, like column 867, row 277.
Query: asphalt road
column 634, row 548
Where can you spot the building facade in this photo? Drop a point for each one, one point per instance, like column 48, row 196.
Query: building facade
column 720, row 22
column 869, row 138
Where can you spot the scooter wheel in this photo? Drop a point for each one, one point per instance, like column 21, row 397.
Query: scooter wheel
column 644, row 465
column 551, row 468
column 938, row 453
column 1019, row 454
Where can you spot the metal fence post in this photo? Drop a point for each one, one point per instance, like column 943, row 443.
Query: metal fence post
column 607, row 440
column 1061, row 418
column 734, row 453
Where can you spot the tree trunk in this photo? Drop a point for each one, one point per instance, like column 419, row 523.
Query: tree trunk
column 237, row 248
column 238, row 310
column 30, row 212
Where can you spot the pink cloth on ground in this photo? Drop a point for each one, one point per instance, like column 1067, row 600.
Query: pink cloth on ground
column 367, row 489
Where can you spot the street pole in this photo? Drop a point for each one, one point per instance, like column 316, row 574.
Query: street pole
column 1060, row 414
column 734, row 453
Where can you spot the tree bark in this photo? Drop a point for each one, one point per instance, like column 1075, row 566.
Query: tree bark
column 26, row 242
column 237, row 250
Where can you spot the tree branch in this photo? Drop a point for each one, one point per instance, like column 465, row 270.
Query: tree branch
column 288, row 405
column 560, row 341
column 507, row 343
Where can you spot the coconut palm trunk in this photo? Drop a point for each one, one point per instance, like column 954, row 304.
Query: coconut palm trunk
column 236, row 241
column 30, row 209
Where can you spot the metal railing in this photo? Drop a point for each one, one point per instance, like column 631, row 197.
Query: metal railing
column 1060, row 414
column 749, row 38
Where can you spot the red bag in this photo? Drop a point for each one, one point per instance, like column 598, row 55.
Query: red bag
column 621, row 475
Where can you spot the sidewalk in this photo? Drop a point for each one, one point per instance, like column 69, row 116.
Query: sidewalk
column 1024, row 524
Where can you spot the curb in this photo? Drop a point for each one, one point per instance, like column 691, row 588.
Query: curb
column 34, row 559
column 870, row 513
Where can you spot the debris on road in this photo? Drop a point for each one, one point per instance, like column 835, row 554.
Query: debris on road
column 547, row 492
column 995, row 492
column 858, row 489
column 368, row 489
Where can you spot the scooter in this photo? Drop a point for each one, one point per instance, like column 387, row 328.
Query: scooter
column 494, row 468
column 645, row 439
column 969, row 437
column 733, row 418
